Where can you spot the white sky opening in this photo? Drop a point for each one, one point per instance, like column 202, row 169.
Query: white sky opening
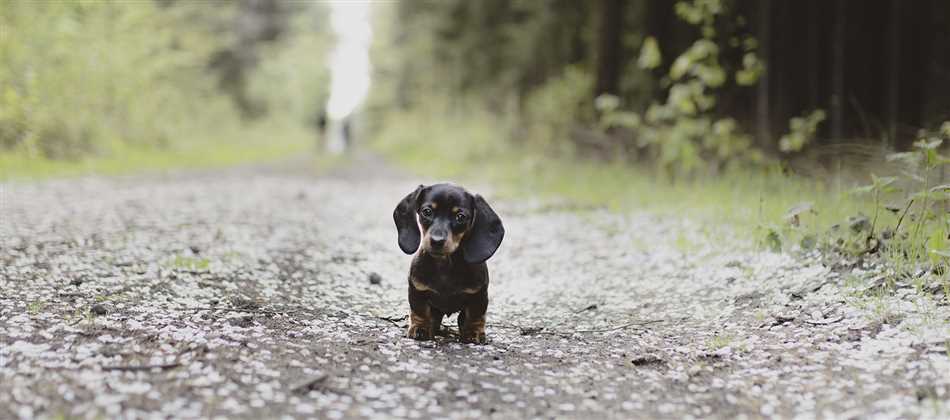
column 349, row 60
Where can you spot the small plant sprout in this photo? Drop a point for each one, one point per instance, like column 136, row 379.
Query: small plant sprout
column 720, row 341
column 928, row 148
column 877, row 187
column 792, row 216
column 926, row 159
column 35, row 307
column 190, row 263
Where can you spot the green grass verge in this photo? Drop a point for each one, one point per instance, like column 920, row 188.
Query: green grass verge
column 190, row 263
column 753, row 203
column 255, row 146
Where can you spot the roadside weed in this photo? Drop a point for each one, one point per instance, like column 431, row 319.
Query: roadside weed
column 190, row 263
column 35, row 307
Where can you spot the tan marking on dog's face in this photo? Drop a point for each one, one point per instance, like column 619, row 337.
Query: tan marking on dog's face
column 452, row 242
column 472, row 291
column 439, row 211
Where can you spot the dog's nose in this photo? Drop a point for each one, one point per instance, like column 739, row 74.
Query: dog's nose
column 437, row 241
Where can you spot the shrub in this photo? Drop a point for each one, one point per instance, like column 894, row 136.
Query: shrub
column 683, row 135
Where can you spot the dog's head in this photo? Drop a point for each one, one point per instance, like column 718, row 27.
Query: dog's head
column 446, row 218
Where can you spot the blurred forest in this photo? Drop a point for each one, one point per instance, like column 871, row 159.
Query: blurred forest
column 688, row 86
column 768, row 109
column 94, row 78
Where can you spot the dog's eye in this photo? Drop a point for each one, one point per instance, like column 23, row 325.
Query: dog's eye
column 460, row 217
column 426, row 212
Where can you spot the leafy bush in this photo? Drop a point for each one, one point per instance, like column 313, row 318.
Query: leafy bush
column 83, row 78
column 907, row 223
column 74, row 72
column 559, row 105
column 683, row 135
column 801, row 131
column 440, row 145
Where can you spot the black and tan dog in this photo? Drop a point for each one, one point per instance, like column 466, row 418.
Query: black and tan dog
column 457, row 232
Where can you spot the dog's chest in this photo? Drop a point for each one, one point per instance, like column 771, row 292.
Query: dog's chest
column 448, row 304
column 448, row 286
column 446, row 282
column 444, row 293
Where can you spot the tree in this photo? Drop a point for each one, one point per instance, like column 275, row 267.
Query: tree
column 609, row 49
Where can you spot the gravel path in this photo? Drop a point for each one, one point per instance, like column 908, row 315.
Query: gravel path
column 260, row 293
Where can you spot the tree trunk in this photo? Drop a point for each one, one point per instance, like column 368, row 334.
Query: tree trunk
column 893, row 71
column 837, row 72
column 813, row 66
column 762, row 115
column 609, row 54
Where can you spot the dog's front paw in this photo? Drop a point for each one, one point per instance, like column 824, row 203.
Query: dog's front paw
column 419, row 332
column 473, row 337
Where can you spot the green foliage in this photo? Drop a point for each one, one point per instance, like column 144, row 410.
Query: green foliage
column 700, row 61
column 801, row 131
column 683, row 135
column 190, row 263
column 699, row 12
column 75, row 75
column 909, row 227
column 225, row 146
column 772, row 240
column 291, row 80
column 93, row 80
column 529, row 61
column 35, row 307
column 475, row 136
column 553, row 109
column 752, row 69
column 650, row 56
column 495, row 50
column 925, row 214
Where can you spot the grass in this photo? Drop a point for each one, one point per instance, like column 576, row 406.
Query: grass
column 258, row 144
column 35, row 307
column 754, row 202
column 80, row 315
column 190, row 263
column 720, row 341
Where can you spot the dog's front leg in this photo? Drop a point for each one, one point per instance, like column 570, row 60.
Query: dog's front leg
column 472, row 319
column 421, row 322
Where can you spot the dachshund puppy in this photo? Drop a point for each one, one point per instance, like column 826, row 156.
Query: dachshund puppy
column 457, row 232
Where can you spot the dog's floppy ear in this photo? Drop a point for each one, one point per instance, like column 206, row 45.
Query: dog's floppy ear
column 405, row 218
column 486, row 234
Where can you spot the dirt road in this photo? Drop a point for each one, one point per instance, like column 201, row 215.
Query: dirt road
column 258, row 293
